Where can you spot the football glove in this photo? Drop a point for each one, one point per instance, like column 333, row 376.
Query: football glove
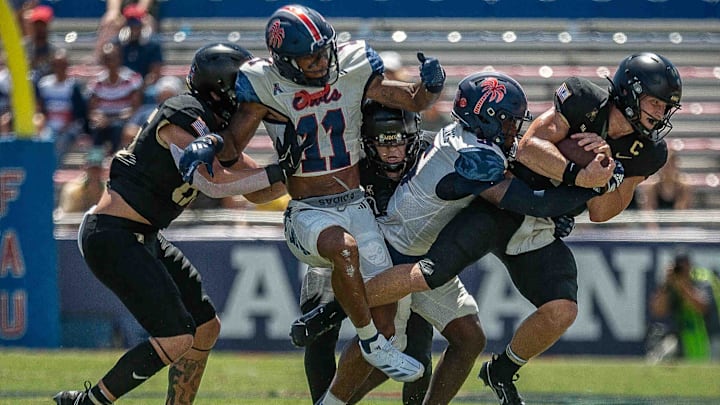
column 200, row 151
column 431, row 73
column 564, row 224
column 290, row 153
column 615, row 180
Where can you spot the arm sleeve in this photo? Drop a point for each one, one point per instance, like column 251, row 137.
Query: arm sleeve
column 244, row 185
column 552, row 202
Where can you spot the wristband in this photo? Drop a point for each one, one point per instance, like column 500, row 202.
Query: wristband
column 571, row 173
column 229, row 163
column 274, row 173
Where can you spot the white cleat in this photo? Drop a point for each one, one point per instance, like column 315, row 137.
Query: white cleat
column 394, row 363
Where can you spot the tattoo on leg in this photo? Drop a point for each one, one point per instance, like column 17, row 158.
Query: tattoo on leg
column 184, row 378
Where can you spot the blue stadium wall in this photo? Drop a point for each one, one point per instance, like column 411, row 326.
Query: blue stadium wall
column 420, row 8
column 255, row 286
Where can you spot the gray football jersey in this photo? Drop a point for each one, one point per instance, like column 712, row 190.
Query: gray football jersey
column 416, row 213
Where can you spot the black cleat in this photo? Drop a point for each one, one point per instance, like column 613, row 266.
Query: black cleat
column 505, row 391
column 72, row 397
column 310, row 326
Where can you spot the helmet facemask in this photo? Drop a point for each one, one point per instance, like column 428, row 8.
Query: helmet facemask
column 385, row 126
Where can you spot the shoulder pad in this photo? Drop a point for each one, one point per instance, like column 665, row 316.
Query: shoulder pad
column 244, row 90
column 481, row 164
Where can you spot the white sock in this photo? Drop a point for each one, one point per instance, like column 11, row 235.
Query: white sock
column 330, row 399
column 367, row 332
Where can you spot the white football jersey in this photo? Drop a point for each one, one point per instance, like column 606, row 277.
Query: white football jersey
column 331, row 116
column 416, row 212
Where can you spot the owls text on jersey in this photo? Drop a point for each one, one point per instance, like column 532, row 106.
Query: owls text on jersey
column 330, row 115
column 436, row 189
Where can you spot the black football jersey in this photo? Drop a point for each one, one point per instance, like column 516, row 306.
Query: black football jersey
column 376, row 185
column 586, row 106
column 144, row 173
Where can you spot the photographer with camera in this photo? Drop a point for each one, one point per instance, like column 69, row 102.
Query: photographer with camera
column 690, row 299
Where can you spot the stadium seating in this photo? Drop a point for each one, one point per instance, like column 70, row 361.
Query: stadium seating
column 539, row 53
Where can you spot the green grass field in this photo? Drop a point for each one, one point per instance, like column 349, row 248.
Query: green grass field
column 32, row 377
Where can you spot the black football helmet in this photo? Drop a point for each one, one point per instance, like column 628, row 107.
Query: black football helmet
column 646, row 74
column 491, row 104
column 212, row 76
column 387, row 126
column 295, row 31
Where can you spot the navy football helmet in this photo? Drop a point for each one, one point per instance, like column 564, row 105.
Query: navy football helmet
column 212, row 76
column 294, row 31
column 493, row 105
column 388, row 126
column 646, row 74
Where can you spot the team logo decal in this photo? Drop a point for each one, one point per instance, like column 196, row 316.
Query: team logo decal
column 276, row 34
column 492, row 91
column 276, row 89
column 592, row 115
column 563, row 92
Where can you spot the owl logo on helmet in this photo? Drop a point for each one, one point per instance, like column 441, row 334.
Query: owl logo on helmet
column 646, row 74
column 212, row 75
column 295, row 31
column 493, row 106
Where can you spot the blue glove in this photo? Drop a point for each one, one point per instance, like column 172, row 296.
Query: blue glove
column 615, row 180
column 564, row 224
column 431, row 73
column 200, row 151
column 290, row 153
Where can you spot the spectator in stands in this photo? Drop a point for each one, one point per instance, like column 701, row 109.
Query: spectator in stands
column 671, row 191
column 113, row 20
column 5, row 114
column 37, row 43
column 114, row 95
column 140, row 51
column 166, row 87
column 690, row 299
column 79, row 194
column 62, row 104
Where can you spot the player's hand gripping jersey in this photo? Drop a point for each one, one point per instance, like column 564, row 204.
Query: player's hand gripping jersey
column 330, row 115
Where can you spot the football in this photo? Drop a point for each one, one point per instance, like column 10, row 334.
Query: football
column 570, row 149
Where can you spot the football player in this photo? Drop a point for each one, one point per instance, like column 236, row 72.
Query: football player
column 121, row 242
column 392, row 141
column 317, row 86
column 436, row 220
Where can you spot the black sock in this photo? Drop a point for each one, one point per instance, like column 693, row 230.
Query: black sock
column 134, row 368
column 503, row 369
column 99, row 396
column 320, row 363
